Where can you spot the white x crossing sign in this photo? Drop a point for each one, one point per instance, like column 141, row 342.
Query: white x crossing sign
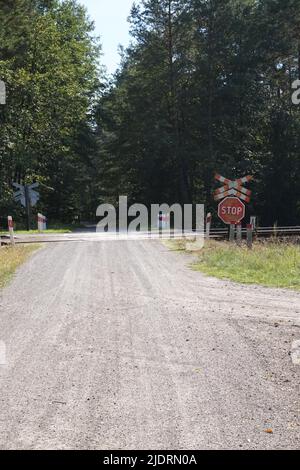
column 20, row 194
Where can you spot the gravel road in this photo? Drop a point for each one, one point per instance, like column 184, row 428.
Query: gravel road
column 119, row 345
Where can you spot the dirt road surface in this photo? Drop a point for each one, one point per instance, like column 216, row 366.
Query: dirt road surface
column 120, row 345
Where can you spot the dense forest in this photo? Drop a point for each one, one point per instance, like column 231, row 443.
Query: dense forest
column 49, row 61
column 205, row 86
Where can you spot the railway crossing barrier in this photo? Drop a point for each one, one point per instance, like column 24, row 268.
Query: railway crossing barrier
column 11, row 230
column 208, row 225
column 42, row 223
column 163, row 221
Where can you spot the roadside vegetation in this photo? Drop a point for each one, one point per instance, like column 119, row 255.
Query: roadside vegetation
column 11, row 258
column 271, row 264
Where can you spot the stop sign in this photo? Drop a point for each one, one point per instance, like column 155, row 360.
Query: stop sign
column 231, row 210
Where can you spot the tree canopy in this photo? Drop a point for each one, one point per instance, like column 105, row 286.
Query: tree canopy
column 49, row 61
column 205, row 87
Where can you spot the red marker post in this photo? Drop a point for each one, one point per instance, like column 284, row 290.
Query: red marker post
column 208, row 225
column 42, row 223
column 11, row 229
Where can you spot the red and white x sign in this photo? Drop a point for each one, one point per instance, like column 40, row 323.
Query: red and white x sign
column 233, row 188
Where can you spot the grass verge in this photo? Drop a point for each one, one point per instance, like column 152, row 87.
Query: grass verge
column 11, row 258
column 269, row 264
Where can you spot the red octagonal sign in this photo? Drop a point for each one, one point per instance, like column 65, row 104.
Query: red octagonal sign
column 231, row 210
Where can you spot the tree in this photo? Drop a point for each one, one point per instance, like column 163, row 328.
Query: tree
column 52, row 80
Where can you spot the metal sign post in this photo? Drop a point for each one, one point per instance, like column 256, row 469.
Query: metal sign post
column 239, row 235
column 231, row 232
column 250, row 236
column 28, row 208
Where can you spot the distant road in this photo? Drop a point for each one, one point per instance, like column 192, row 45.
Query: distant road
column 119, row 345
column 90, row 235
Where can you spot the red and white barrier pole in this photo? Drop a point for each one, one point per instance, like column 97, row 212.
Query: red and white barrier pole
column 208, row 225
column 11, row 229
column 163, row 221
column 42, row 225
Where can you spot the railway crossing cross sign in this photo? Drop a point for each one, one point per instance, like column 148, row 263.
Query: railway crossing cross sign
column 26, row 194
column 233, row 188
column 231, row 210
column 19, row 195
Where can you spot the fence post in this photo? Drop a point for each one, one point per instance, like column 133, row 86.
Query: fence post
column 239, row 236
column 231, row 232
column 250, row 236
column 208, row 225
column 11, row 229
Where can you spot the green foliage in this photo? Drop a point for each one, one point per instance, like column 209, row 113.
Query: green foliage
column 49, row 61
column 270, row 264
column 11, row 258
column 205, row 86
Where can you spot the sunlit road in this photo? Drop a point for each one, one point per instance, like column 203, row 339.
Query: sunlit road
column 121, row 345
